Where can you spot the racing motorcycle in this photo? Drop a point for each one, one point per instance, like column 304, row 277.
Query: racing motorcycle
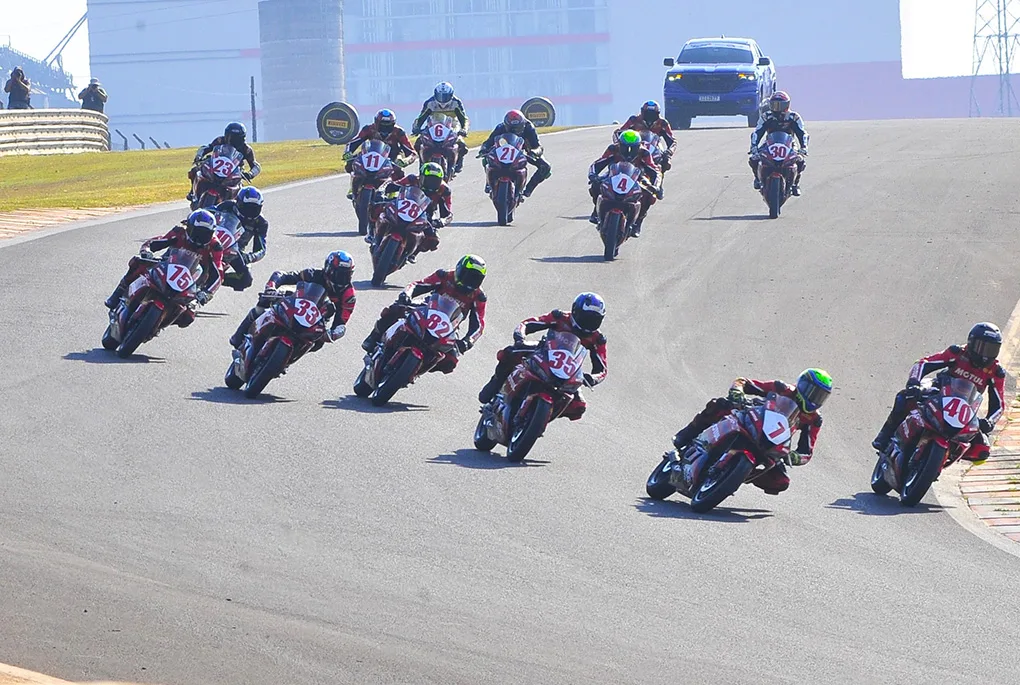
column 777, row 169
column 747, row 444
column 411, row 347
column 655, row 145
column 399, row 232
column 537, row 391
column 507, row 168
column 438, row 143
column 153, row 301
column 619, row 206
column 934, row 435
column 219, row 177
column 291, row 325
column 372, row 170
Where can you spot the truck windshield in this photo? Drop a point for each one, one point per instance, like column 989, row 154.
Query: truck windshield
column 715, row 54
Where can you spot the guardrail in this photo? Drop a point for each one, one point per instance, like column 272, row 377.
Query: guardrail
column 52, row 131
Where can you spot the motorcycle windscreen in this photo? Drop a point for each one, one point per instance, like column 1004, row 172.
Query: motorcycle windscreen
column 225, row 161
column 228, row 230
column 441, row 127
column 442, row 316
column 183, row 269
column 624, row 176
column 961, row 402
column 778, row 418
column 307, row 304
column 778, row 146
column 564, row 357
column 652, row 142
column 411, row 204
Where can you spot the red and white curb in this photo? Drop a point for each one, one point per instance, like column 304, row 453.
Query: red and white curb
column 25, row 220
column 992, row 489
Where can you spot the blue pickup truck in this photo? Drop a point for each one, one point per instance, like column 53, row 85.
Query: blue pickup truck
column 717, row 77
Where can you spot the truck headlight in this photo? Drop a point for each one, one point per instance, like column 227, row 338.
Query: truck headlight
column 747, row 77
column 674, row 77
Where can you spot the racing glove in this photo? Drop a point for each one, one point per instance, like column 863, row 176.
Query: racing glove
column 736, row 396
column 336, row 333
column 797, row 459
column 404, row 299
column 589, row 381
column 986, row 426
column 913, row 390
column 202, row 297
column 518, row 338
column 464, row 345
column 146, row 253
column 658, row 193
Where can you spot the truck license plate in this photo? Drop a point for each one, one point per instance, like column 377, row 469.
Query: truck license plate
column 709, row 98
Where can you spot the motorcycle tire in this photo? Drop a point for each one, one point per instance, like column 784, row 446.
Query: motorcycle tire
column 658, row 485
column 611, row 228
column 231, row 379
column 774, row 196
column 144, row 329
column 878, row 484
column 503, row 203
column 712, row 492
column 524, row 438
column 361, row 386
column 483, row 443
column 387, row 262
column 109, row 342
column 921, row 474
column 272, row 365
column 364, row 210
column 397, row 379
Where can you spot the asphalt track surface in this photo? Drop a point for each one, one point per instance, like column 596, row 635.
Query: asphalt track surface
column 155, row 526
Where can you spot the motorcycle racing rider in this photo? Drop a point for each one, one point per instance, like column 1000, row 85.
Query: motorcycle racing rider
column 383, row 128
column 334, row 277
column 196, row 235
column 233, row 135
column 649, row 119
column 247, row 208
column 813, row 387
column 583, row 320
column 440, row 200
column 977, row 361
column 516, row 123
column 627, row 148
column 463, row 284
column 444, row 102
column 779, row 118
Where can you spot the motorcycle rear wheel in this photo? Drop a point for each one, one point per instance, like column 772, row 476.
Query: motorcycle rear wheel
column 483, row 443
column 364, row 210
column 658, row 485
column 361, row 386
column 713, row 491
column 143, row 330
column 231, row 379
column 878, row 484
column 611, row 235
column 774, row 196
column 386, row 264
column 918, row 478
column 273, row 364
column 109, row 342
column 396, row 380
column 522, row 440
column 503, row 210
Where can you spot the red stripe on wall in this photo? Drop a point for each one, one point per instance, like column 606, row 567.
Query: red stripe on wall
column 251, row 52
column 492, row 42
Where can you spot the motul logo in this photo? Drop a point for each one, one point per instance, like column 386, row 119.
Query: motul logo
column 972, row 377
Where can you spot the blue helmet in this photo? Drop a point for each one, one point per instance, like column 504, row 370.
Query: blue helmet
column 650, row 112
column 201, row 226
column 338, row 269
column 385, row 120
column 249, row 202
column 587, row 312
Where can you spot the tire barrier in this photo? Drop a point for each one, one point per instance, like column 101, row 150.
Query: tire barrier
column 52, row 131
column 337, row 123
column 539, row 111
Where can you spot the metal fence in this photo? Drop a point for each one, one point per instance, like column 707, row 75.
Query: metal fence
column 52, row 131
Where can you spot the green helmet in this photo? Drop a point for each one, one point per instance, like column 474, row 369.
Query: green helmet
column 431, row 177
column 470, row 272
column 630, row 144
column 813, row 387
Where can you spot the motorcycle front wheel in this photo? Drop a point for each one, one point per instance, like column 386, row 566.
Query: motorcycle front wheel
column 718, row 486
column 530, row 430
column 611, row 230
column 272, row 365
column 502, row 202
column 395, row 380
column 364, row 210
column 774, row 196
column 658, row 485
column 387, row 262
column 920, row 474
column 144, row 328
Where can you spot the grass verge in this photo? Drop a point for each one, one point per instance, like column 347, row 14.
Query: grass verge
column 141, row 177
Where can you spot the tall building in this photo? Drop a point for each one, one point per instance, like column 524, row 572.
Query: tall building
column 497, row 53
column 176, row 70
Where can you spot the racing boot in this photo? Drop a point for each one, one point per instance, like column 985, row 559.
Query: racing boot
column 488, row 188
column 113, row 300
column 237, row 339
column 757, row 183
column 490, row 389
column 881, row 440
column 594, row 218
column 374, row 338
column 795, row 190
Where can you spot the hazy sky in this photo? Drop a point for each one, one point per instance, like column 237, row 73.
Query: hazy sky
column 937, row 34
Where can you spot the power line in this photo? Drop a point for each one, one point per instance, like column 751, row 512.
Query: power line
column 996, row 39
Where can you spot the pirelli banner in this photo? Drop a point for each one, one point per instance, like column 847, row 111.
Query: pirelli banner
column 337, row 123
column 539, row 111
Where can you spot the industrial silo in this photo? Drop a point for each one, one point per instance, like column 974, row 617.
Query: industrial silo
column 302, row 63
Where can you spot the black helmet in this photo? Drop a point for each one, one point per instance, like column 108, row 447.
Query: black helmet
column 470, row 272
column 338, row 269
column 587, row 312
column 201, row 225
column 983, row 344
column 650, row 112
column 249, row 202
column 235, row 133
